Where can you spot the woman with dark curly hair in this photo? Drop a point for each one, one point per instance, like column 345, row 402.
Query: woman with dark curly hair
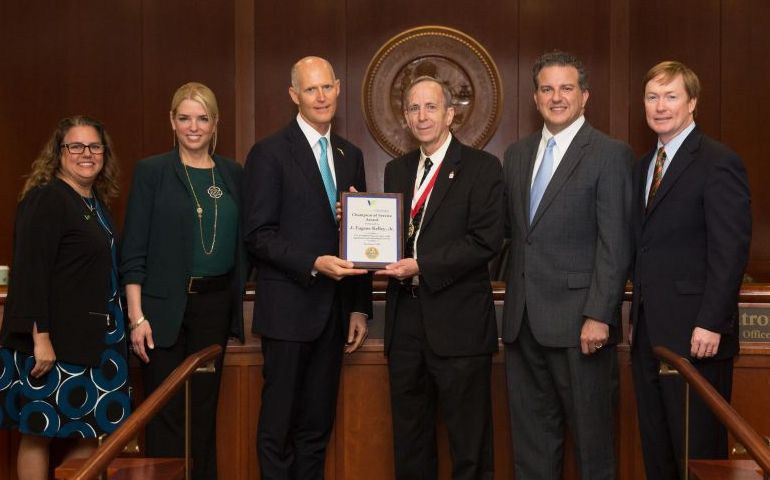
column 63, row 367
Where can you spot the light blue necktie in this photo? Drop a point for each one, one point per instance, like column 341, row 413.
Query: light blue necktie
column 541, row 179
column 326, row 176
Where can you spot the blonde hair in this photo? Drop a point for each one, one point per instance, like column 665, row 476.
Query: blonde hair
column 48, row 162
column 202, row 94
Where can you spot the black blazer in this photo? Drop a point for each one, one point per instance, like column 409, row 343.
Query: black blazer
column 461, row 231
column 287, row 224
column 692, row 245
column 60, row 277
column 158, row 239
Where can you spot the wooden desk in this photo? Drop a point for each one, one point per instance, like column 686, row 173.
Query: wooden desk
column 132, row 469
column 361, row 444
column 724, row 470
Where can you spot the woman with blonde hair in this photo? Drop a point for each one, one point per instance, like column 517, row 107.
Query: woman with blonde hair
column 183, row 267
column 63, row 366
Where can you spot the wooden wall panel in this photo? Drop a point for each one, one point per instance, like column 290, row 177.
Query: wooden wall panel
column 181, row 42
column 286, row 32
column 62, row 59
column 688, row 31
column 134, row 54
column 581, row 28
column 745, row 50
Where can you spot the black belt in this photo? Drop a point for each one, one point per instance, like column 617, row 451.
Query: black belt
column 208, row 284
column 412, row 290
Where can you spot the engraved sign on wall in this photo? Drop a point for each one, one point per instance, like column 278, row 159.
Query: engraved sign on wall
column 754, row 324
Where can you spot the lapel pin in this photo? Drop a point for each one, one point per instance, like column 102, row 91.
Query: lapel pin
column 341, row 152
column 451, row 174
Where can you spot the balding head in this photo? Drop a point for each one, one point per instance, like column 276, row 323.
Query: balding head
column 314, row 89
column 309, row 62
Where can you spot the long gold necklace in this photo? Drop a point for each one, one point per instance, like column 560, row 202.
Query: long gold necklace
column 214, row 192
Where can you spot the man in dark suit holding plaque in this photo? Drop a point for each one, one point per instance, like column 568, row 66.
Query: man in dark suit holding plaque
column 309, row 304
column 568, row 201
column 692, row 229
column 440, row 328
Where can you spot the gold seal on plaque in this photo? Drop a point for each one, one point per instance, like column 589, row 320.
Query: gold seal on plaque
column 372, row 253
column 451, row 57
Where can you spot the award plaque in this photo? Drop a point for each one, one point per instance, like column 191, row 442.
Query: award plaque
column 371, row 229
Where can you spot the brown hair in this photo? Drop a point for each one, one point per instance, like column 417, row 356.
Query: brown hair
column 669, row 69
column 48, row 162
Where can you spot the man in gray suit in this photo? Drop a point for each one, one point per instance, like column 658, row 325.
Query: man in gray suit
column 568, row 201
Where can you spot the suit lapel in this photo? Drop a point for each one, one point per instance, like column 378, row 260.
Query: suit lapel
column 569, row 161
column 409, row 179
column 302, row 154
column 683, row 158
column 526, row 179
column 406, row 186
column 450, row 168
column 180, row 174
column 641, row 184
column 342, row 174
column 224, row 172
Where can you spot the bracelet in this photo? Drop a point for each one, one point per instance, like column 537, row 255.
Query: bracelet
column 132, row 326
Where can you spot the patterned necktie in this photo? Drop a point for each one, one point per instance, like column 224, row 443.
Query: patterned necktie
column 541, row 179
column 657, row 175
column 417, row 216
column 326, row 176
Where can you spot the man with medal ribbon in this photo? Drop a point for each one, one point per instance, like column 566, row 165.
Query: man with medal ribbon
column 440, row 327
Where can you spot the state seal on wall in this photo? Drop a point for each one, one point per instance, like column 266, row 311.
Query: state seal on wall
column 450, row 56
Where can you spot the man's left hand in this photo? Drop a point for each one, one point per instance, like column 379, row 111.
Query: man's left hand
column 593, row 336
column 704, row 343
column 402, row 269
column 357, row 332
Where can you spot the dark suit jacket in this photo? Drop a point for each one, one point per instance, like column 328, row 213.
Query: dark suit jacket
column 288, row 223
column 461, row 232
column 692, row 245
column 572, row 261
column 60, row 276
column 158, row 239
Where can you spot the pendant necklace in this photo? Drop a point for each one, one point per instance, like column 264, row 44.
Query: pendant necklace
column 95, row 211
column 214, row 192
column 91, row 209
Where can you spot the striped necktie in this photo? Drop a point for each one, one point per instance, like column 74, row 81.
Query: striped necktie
column 657, row 175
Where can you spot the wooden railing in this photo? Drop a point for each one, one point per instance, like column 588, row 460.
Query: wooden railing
column 740, row 429
column 115, row 442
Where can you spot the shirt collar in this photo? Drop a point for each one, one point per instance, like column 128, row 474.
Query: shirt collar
column 673, row 145
column 564, row 138
column 437, row 156
column 311, row 133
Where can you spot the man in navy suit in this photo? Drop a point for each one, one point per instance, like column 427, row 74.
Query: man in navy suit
column 692, row 228
column 440, row 328
column 310, row 305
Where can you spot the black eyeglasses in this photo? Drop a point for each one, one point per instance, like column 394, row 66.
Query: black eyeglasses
column 78, row 148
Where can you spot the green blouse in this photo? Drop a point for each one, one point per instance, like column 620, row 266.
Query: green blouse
column 215, row 253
